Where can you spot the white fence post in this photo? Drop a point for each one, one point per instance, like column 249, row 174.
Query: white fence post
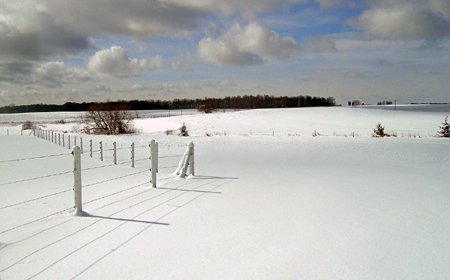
column 77, row 180
column 191, row 159
column 186, row 161
column 132, row 154
column 154, row 160
column 101, row 151
column 115, row 152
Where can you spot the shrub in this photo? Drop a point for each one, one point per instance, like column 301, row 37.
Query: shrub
column 28, row 125
column 110, row 120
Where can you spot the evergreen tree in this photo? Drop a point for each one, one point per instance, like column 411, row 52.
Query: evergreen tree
column 444, row 129
column 379, row 131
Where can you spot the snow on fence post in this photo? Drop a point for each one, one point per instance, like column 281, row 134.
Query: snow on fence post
column 81, row 145
column 154, row 160
column 101, row 150
column 191, row 159
column 132, row 154
column 77, row 180
column 186, row 161
column 115, row 152
column 90, row 147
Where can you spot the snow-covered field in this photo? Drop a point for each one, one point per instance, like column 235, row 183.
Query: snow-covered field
column 269, row 200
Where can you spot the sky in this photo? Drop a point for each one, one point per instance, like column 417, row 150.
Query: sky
column 57, row 51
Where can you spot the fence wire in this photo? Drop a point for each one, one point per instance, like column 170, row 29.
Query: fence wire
column 34, row 199
column 115, row 178
column 36, row 178
column 31, row 158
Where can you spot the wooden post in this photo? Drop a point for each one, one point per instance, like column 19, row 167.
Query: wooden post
column 101, row 151
column 90, row 147
column 115, row 152
column 132, row 154
column 154, row 161
column 77, row 180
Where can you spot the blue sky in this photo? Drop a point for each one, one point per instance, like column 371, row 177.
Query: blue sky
column 55, row 51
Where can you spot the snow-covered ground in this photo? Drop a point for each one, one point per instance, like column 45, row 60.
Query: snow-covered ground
column 269, row 201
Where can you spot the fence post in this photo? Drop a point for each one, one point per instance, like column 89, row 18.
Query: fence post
column 191, row 159
column 21, row 132
column 154, row 160
column 59, row 139
column 77, row 180
column 115, row 152
column 64, row 137
column 53, row 136
column 101, row 151
column 81, row 144
column 69, row 140
column 90, row 147
column 75, row 140
column 132, row 154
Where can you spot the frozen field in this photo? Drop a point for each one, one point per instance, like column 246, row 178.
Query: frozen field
column 269, row 200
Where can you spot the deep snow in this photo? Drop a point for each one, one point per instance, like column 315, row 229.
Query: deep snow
column 289, row 206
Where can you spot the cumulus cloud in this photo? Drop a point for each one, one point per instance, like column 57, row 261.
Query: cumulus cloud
column 115, row 62
column 29, row 32
column 246, row 46
column 45, row 29
column 230, row 6
column 428, row 19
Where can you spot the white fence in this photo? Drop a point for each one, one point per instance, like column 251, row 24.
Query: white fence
column 184, row 167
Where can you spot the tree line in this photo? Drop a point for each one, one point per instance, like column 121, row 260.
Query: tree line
column 231, row 102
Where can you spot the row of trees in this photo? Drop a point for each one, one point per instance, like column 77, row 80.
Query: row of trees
column 234, row 102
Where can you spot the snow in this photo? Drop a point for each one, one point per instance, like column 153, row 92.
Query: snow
column 269, row 201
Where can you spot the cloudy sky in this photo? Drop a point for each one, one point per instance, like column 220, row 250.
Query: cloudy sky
column 55, row 51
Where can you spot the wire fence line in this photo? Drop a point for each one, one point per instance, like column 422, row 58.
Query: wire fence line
column 31, row 158
column 115, row 178
column 37, row 198
column 36, row 178
column 152, row 159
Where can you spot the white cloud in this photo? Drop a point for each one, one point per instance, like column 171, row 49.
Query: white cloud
column 320, row 44
column 246, row 46
column 56, row 73
column 115, row 62
column 428, row 19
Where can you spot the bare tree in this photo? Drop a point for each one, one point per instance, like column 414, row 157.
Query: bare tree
column 110, row 119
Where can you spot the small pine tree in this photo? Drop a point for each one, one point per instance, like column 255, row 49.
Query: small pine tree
column 379, row 131
column 183, row 130
column 444, row 129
